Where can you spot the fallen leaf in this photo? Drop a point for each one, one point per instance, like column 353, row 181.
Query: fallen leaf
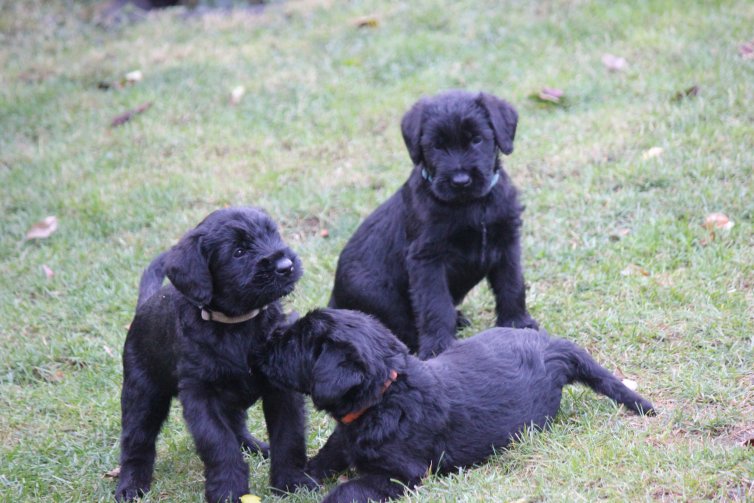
column 43, row 229
column 619, row 373
column 652, row 152
column 747, row 50
column 630, row 384
column 48, row 272
column 686, row 93
column 130, row 114
column 366, row 22
column 108, row 350
column 551, row 94
column 613, row 63
column 250, row 498
column 133, row 77
column 718, row 221
column 634, row 270
column 236, row 94
column 112, row 474
column 324, row 233
column 619, row 234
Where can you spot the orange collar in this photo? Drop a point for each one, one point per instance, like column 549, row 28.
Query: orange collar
column 353, row 416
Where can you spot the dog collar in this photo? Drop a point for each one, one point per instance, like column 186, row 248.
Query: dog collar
column 353, row 416
column 219, row 317
column 493, row 182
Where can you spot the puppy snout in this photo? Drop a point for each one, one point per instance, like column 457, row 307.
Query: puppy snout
column 460, row 180
column 284, row 266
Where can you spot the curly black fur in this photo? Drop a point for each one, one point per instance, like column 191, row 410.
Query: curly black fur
column 448, row 412
column 232, row 262
column 455, row 222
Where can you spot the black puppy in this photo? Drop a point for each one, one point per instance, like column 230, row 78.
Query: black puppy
column 400, row 416
column 454, row 222
column 196, row 339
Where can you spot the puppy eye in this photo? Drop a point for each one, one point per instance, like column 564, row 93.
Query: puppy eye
column 239, row 252
column 476, row 140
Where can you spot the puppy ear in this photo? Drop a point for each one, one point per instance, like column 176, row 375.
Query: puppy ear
column 411, row 127
column 188, row 270
column 503, row 118
column 333, row 376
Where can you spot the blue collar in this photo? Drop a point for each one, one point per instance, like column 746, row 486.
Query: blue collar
column 493, row 182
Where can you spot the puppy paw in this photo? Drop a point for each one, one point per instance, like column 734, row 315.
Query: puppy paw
column 129, row 493
column 255, row 446
column 519, row 322
column 430, row 349
column 291, row 481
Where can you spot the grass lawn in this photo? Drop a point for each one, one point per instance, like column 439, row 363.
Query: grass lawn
column 615, row 251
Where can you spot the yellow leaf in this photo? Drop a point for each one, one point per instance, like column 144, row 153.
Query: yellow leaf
column 250, row 498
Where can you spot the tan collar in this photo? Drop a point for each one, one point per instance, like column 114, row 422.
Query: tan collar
column 219, row 317
column 353, row 416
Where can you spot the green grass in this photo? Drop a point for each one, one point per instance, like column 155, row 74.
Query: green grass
column 316, row 141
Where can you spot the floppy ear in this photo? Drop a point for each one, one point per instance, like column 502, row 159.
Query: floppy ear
column 411, row 127
column 503, row 118
column 333, row 376
column 188, row 270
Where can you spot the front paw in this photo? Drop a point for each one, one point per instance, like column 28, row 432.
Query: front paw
column 289, row 482
column 431, row 348
column 525, row 321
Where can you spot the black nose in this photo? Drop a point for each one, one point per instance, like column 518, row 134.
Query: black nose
column 284, row 266
column 460, row 180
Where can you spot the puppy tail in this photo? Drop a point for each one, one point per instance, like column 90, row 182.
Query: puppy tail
column 573, row 363
column 152, row 278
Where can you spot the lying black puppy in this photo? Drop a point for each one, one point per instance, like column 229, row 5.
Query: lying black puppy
column 453, row 223
column 196, row 339
column 400, row 416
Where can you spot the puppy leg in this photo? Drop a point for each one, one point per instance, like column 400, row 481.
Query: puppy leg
column 209, row 420
column 507, row 281
column 246, row 439
column 331, row 459
column 432, row 303
column 286, row 426
column 144, row 407
column 370, row 487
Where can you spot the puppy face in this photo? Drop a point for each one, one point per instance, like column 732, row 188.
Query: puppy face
column 233, row 261
column 455, row 136
column 339, row 357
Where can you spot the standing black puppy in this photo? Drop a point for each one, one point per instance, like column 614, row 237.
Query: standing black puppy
column 401, row 417
column 197, row 339
column 454, row 222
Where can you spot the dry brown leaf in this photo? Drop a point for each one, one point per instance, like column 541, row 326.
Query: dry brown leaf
column 49, row 273
column 43, row 229
column 236, row 94
column 634, row 270
column 551, row 94
column 133, row 77
column 366, row 22
column 619, row 234
column 651, row 153
column 112, row 474
column 613, row 63
column 130, row 114
column 718, row 221
column 686, row 93
column 747, row 50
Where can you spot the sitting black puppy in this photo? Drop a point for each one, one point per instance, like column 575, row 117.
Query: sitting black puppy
column 196, row 339
column 454, row 222
column 400, row 416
